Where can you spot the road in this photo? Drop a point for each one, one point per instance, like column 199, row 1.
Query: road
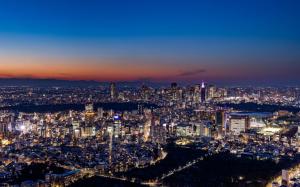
column 293, row 171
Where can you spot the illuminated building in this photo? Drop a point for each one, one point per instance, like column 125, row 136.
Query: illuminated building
column 75, row 125
column 88, row 131
column 3, row 128
column 184, row 130
column 100, row 112
column 117, row 127
column 206, row 131
column 77, row 133
column 196, row 94
column 203, row 92
column 238, row 124
column 211, row 92
column 110, row 131
column 269, row 131
column 89, row 114
column 89, row 108
column 147, row 128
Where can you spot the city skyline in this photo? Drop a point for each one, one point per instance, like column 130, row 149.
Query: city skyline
column 149, row 93
column 161, row 41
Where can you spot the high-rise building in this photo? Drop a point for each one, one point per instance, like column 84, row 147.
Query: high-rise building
column 3, row 128
column 113, row 90
column 220, row 121
column 100, row 112
column 110, row 146
column 203, row 92
column 147, row 129
column 174, row 90
column 117, row 126
column 196, row 94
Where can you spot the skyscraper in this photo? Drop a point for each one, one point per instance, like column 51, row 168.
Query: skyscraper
column 196, row 94
column 117, row 126
column 203, row 92
column 113, row 91
column 220, row 121
column 110, row 145
column 174, row 90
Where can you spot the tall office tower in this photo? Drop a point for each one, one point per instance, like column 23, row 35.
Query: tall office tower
column 220, row 121
column 100, row 112
column 180, row 94
column 174, row 90
column 113, row 90
column 203, row 92
column 196, row 93
column 117, row 127
column 89, row 113
column 110, row 147
column 147, row 129
column 3, row 128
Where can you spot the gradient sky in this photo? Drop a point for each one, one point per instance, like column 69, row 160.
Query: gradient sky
column 160, row 40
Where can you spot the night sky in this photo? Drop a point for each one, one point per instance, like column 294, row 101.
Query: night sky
column 227, row 41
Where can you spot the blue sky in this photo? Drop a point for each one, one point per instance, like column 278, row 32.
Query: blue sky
column 202, row 34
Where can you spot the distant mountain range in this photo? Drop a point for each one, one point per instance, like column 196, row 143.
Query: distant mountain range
column 71, row 83
column 45, row 82
column 137, row 83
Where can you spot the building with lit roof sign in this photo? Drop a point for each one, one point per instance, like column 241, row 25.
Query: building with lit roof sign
column 203, row 92
column 117, row 126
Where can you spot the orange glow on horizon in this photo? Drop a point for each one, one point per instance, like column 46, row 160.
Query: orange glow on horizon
column 87, row 69
column 123, row 69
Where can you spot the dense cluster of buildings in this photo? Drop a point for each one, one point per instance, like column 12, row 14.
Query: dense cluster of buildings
column 103, row 141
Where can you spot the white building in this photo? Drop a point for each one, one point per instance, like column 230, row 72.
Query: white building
column 238, row 124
